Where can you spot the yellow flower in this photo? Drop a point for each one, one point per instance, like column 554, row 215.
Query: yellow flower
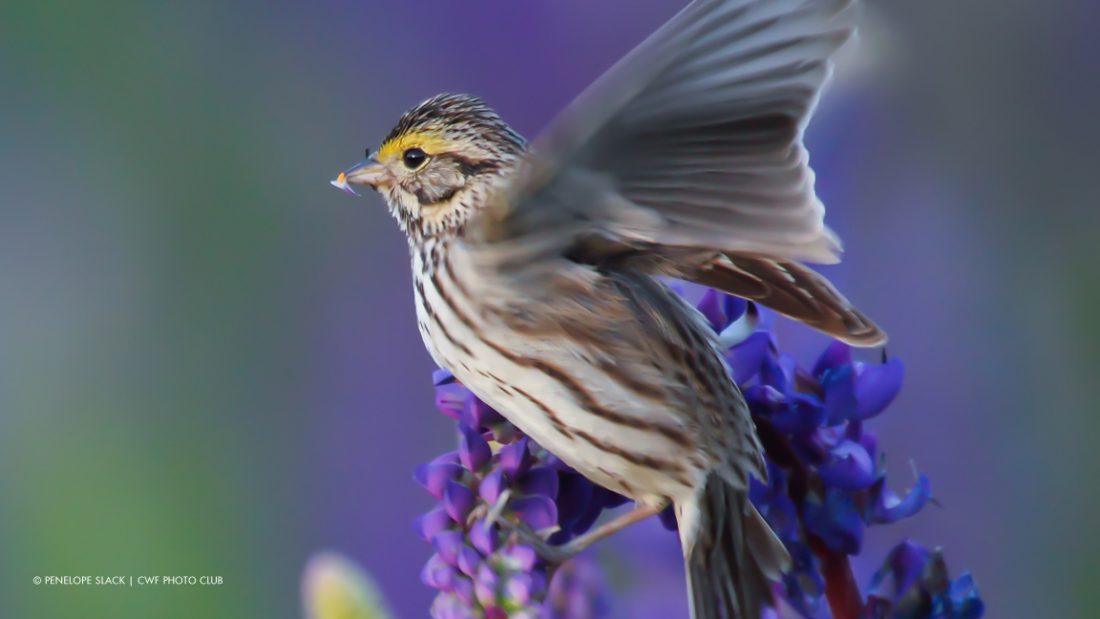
column 334, row 587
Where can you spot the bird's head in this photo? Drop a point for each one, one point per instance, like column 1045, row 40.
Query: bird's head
column 439, row 164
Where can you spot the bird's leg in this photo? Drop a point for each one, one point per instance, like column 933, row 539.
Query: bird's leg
column 548, row 552
column 563, row 552
column 579, row 543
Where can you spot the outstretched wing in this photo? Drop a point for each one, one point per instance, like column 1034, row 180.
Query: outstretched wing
column 692, row 142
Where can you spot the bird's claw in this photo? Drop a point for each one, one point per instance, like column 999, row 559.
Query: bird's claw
column 553, row 554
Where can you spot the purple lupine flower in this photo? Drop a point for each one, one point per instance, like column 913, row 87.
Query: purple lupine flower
column 578, row 590
column 827, row 481
column 913, row 582
column 826, row 484
column 480, row 571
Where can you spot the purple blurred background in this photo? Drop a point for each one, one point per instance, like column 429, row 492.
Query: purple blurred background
column 208, row 357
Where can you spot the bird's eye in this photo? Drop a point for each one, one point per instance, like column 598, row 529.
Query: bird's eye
column 414, row 158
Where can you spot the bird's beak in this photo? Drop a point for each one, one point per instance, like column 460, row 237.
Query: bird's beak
column 367, row 172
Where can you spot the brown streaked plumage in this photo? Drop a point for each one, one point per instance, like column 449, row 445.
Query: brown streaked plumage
column 536, row 272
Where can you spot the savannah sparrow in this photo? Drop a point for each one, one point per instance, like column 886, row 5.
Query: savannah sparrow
column 537, row 271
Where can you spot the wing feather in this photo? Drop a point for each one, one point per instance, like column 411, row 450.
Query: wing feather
column 700, row 129
column 688, row 149
column 792, row 290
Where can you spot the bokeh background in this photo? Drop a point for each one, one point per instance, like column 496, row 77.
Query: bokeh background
column 208, row 358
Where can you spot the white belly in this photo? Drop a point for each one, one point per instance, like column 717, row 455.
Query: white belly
column 484, row 358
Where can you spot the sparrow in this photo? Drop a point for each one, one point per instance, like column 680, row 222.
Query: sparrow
column 539, row 270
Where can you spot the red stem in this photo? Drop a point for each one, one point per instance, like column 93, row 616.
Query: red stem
column 841, row 590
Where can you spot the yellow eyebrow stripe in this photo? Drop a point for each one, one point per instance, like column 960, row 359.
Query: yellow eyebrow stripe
column 430, row 143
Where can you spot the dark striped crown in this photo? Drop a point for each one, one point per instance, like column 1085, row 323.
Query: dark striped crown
column 458, row 117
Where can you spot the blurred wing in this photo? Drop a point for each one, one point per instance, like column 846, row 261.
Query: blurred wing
column 692, row 140
column 686, row 159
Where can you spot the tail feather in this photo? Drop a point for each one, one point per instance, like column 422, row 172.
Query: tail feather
column 733, row 558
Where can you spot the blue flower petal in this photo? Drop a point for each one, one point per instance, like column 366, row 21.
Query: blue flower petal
column 451, row 398
column 519, row 557
column 537, row 511
column 574, row 497
column 485, row 537
column 720, row 309
column 774, row 503
column 458, row 500
column 480, row 415
column 773, row 373
column 876, row 387
column 468, row 560
column 764, row 400
column 837, row 354
column 450, row 457
column 801, row 414
column 464, row 589
column 804, row 584
column 434, row 476
column 867, row 439
column 522, row 588
column 583, row 521
column 747, row 358
column 734, row 307
column 447, row 544
column 431, row 523
column 609, row 499
column 711, row 307
column 515, row 458
column 849, row 467
column 900, row 571
column 542, row 480
column 840, row 394
column 436, row 573
column 966, row 603
column 887, row 507
column 485, row 585
column 835, row 520
column 473, row 450
column 491, row 487
column 451, row 606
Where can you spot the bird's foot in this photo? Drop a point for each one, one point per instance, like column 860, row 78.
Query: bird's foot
column 554, row 554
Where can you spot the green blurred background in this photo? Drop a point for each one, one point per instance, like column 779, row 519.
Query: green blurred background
column 208, row 361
